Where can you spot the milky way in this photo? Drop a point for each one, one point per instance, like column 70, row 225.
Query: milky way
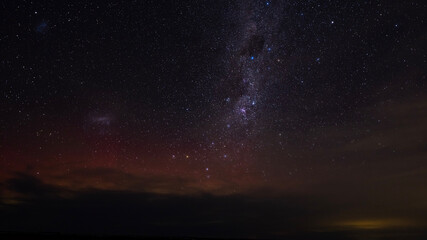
column 235, row 111
column 249, row 61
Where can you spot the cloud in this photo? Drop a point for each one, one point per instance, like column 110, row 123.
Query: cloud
column 95, row 211
column 121, row 212
column 30, row 186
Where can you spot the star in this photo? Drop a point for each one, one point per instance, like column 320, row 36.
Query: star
column 143, row 100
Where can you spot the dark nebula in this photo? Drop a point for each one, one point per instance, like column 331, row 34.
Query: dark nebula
column 243, row 119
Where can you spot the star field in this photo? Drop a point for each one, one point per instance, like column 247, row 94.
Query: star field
column 283, row 101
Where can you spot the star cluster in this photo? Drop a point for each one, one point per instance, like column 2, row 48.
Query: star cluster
column 224, row 98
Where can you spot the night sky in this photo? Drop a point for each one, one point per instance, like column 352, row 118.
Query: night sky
column 213, row 118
